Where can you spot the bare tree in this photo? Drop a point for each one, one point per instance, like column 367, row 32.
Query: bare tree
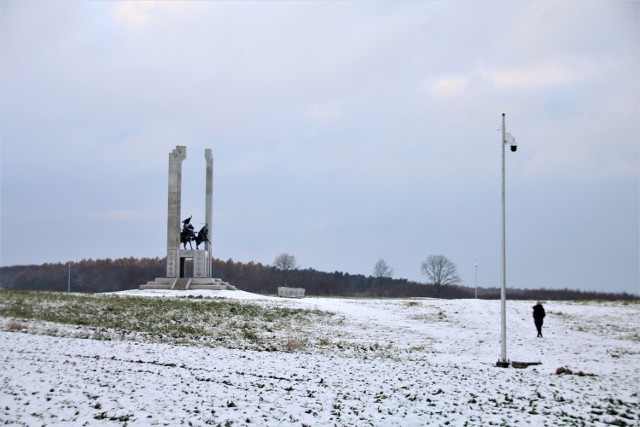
column 440, row 271
column 285, row 262
column 382, row 271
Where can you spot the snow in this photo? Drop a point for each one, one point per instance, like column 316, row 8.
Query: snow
column 408, row 362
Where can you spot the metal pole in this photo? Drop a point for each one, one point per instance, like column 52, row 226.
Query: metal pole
column 69, row 280
column 503, row 288
column 476, row 281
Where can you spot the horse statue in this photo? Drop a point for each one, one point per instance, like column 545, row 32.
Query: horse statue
column 187, row 234
column 202, row 236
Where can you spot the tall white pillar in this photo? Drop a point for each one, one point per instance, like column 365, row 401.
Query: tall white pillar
column 208, row 207
column 176, row 157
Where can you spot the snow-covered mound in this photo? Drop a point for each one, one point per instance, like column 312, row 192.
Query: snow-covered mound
column 409, row 362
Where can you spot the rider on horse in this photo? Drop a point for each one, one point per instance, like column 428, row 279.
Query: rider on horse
column 187, row 234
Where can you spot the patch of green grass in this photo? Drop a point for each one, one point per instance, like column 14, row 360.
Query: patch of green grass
column 173, row 318
column 412, row 304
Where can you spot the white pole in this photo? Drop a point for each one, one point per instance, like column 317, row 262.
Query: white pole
column 503, row 288
column 476, row 281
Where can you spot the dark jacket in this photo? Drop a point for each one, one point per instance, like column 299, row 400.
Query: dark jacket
column 538, row 312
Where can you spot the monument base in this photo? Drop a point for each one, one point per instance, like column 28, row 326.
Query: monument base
column 188, row 283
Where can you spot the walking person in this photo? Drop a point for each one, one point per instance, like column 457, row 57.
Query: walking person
column 538, row 317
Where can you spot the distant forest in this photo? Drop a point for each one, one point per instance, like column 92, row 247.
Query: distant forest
column 109, row 275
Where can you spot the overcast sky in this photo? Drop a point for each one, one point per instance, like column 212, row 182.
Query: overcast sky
column 342, row 132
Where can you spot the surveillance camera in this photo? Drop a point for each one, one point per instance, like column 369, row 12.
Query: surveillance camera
column 511, row 141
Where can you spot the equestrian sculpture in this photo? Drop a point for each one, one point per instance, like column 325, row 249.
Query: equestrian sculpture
column 188, row 235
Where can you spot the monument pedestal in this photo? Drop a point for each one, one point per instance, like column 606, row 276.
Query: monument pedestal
column 188, row 283
column 200, row 279
column 201, row 262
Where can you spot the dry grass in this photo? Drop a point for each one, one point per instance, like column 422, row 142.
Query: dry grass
column 295, row 343
column 16, row 326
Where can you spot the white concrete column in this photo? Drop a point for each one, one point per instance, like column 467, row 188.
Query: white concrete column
column 208, row 207
column 176, row 158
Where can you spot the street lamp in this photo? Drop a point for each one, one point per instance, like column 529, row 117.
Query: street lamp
column 507, row 139
column 476, row 280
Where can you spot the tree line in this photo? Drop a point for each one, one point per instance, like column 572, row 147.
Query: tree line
column 107, row 275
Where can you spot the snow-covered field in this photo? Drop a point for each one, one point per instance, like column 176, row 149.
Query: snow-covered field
column 379, row 363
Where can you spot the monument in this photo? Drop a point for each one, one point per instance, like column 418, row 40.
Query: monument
column 176, row 236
